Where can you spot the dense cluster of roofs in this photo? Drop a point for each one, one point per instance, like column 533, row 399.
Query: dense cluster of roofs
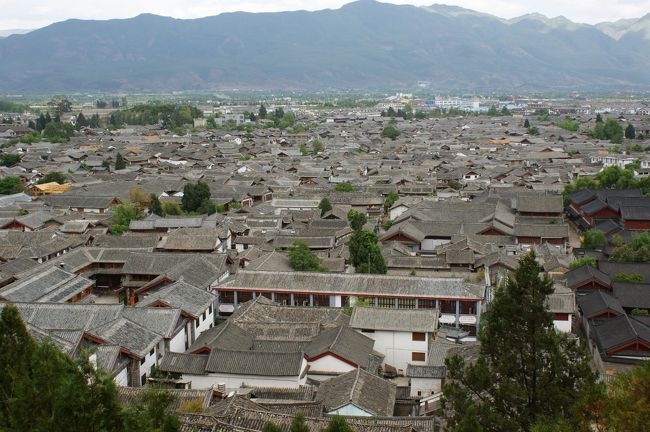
column 211, row 306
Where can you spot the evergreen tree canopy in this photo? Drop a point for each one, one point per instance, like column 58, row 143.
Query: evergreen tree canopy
column 10, row 186
column 325, row 205
column 262, row 112
column 9, row 159
column 337, row 424
column 154, row 205
column 298, row 424
column 357, row 219
column 391, row 199
column 123, row 214
column 44, row 390
column 302, row 258
column 53, row 176
column 344, row 187
column 525, row 371
column 194, row 194
column 630, row 131
column 271, row 427
column 365, row 254
column 120, row 163
column 593, row 239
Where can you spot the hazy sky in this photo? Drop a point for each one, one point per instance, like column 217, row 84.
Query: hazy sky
column 18, row 14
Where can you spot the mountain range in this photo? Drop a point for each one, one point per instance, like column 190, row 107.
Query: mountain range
column 364, row 44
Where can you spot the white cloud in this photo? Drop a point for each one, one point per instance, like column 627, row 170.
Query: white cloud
column 37, row 13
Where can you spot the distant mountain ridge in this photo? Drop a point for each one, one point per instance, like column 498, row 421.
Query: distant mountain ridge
column 364, row 44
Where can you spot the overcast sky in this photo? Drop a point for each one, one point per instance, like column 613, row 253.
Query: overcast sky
column 29, row 14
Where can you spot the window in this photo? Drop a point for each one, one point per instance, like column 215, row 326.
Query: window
column 227, row 297
column 467, row 308
column 142, row 361
column 367, row 331
column 384, row 302
column 448, row 306
column 244, row 296
column 143, row 379
column 419, row 337
column 418, row 356
column 406, row 303
column 426, row 304
column 152, row 351
column 321, row 300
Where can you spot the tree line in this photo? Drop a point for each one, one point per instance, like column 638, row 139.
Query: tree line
column 43, row 390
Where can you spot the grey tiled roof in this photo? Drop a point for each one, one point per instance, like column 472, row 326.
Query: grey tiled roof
column 255, row 363
column 355, row 284
column 344, row 342
column 182, row 295
column 405, row 320
column 366, row 391
column 425, row 371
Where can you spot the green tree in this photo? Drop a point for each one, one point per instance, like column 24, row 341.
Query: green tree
column 53, row 176
column 154, row 205
column 262, row 112
column 525, row 371
column 58, row 132
column 599, row 118
column 390, row 199
column 492, row 111
column 10, row 186
column 81, row 121
column 194, row 195
column 120, row 163
column 583, row 260
column 303, row 149
column 613, row 131
column 344, row 187
column 614, row 177
column 207, row 207
column 123, row 214
column 9, row 159
column 171, row 208
column 365, row 254
column 317, row 146
column 621, row 405
column 593, row 239
column 271, row 427
column 637, row 250
column 298, row 424
column 44, row 390
column 533, row 130
column 16, row 349
column 568, row 124
column 324, row 205
column 627, row 277
column 630, row 131
column 391, row 132
column 151, row 414
column 526, row 124
column 357, row 219
column 337, row 424
column 505, row 111
column 301, row 258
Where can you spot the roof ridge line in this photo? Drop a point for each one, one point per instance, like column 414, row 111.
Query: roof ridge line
column 354, row 386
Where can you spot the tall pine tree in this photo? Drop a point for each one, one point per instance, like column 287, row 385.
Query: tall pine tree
column 526, row 373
